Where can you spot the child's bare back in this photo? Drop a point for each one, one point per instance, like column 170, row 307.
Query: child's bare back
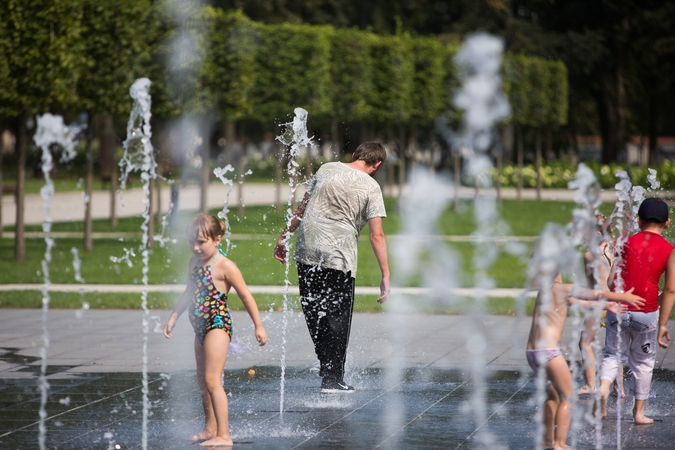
column 548, row 319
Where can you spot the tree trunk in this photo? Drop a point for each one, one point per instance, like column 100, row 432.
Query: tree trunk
column 203, row 197
column 108, row 161
column 613, row 102
column 278, row 173
column 88, row 242
column 230, row 139
column 519, row 137
column 335, row 138
column 500, row 159
column 458, row 177
column 22, row 147
column 652, row 130
column 106, row 139
column 609, row 122
column 240, row 188
column 151, row 215
column 507, row 141
column 2, row 181
column 402, row 175
column 158, row 201
column 538, row 162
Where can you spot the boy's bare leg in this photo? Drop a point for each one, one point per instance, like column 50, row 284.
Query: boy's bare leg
column 559, row 374
column 550, row 408
column 604, row 395
column 639, row 413
column 215, row 353
column 210, row 425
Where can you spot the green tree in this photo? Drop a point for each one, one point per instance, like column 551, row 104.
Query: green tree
column 228, row 74
column 41, row 46
column 118, row 46
column 393, row 74
column 352, row 77
column 293, row 69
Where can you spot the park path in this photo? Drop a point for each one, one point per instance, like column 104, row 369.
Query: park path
column 69, row 206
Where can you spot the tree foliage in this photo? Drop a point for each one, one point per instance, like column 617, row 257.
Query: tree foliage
column 292, row 64
column 116, row 52
column 537, row 90
column 41, row 49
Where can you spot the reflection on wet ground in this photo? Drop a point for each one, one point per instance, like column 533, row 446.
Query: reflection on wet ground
column 420, row 408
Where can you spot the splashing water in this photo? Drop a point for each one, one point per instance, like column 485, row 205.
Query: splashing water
column 294, row 137
column 484, row 104
column 163, row 238
column 139, row 157
column 583, row 230
column 421, row 206
column 651, row 179
column 50, row 130
column 127, row 258
column 624, row 219
column 77, row 265
column 220, row 173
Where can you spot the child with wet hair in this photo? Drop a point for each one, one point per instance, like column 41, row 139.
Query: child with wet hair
column 212, row 275
column 543, row 344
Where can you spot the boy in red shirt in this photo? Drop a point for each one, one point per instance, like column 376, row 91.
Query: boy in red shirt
column 645, row 257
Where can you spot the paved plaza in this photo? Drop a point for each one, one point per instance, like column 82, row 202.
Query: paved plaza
column 422, row 381
column 419, row 380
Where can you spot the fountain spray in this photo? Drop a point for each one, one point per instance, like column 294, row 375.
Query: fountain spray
column 50, row 130
column 583, row 230
column 294, row 137
column 139, row 157
column 220, row 173
column 484, row 105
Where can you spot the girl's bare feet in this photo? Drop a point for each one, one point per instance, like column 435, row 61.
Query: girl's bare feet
column 217, row 442
column 202, row 435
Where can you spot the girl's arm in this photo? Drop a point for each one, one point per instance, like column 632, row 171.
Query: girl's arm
column 181, row 306
column 234, row 278
column 614, row 307
column 592, row 294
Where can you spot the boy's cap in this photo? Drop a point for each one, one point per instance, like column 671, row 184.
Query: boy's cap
column 653, row 209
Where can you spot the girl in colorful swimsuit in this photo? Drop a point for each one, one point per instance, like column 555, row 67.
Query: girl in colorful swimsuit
column 543, row 350
column 205, row 297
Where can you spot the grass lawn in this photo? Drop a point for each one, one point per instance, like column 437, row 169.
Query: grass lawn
column 526, row 218
column 254, row 255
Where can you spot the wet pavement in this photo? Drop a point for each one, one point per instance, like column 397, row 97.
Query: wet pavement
column 418, row 380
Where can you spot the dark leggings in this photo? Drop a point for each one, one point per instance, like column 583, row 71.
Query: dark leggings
column 327, row 298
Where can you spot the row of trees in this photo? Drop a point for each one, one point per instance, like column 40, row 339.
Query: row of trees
column 620, row 54
column 70, row 56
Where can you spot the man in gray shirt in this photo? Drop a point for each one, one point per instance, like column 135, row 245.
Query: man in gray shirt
column 339, row 201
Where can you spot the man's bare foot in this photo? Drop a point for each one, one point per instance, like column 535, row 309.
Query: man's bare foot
column 217, row 442
column 586, row 390
column 202, row 435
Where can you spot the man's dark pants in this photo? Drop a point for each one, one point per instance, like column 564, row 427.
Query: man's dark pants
column 327, row 298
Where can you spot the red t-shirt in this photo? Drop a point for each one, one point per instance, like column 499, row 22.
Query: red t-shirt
column 645, row 257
